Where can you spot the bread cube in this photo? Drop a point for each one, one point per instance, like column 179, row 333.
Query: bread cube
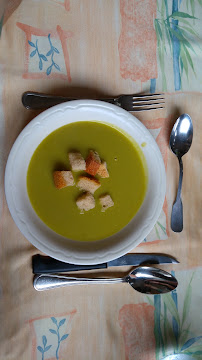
column 92, row 163
column 102, row 171
column 106, row 202
column 88, row 184
column 85, row 202
column 77, row 161
column 63, row 179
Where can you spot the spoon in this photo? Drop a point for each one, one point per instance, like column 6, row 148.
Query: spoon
column 178, row 357
column 180, row 142
column 144, row 279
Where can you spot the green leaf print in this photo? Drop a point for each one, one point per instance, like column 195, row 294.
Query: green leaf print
column 168, row 300
column 173, row 30
column 187, row 301
column 179, row 14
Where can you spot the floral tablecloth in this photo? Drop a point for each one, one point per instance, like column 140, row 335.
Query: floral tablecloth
column 94, row 48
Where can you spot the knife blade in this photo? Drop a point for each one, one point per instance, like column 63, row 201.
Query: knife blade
column 47, row 265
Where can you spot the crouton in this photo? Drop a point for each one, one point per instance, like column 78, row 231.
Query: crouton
column 88, row 184
column 63, row 179
column 102, row 171
column 106, row 202
column 85, row 202
column 92, row 163
column 77, row 161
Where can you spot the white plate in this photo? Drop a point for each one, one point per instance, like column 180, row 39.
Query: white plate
column 41, row 236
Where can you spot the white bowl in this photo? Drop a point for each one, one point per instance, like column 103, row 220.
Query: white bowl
column 32, row 227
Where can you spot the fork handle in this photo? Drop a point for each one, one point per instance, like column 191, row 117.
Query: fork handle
column 34, row 100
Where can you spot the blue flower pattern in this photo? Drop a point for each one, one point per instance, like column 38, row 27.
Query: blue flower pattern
column 51, row 53
column 44, row 348
column 42, row 58
column 56, row 331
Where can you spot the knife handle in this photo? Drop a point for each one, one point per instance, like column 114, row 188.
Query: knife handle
column 47, row 265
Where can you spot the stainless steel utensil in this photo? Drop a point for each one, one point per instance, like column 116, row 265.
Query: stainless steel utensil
column 180, row 142
column 178, row 357
column 144, row 279
column 47, row 265
column 34, row 100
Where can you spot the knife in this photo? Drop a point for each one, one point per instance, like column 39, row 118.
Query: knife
column 47, row 265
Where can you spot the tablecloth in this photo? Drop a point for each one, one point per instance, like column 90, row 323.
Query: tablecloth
column 91, row 49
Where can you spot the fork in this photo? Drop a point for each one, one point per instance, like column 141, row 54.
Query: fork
column 142, row 102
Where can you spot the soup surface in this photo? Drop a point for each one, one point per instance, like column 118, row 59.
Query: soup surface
column 126, row 184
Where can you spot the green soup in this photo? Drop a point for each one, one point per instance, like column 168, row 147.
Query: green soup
column 126, row 184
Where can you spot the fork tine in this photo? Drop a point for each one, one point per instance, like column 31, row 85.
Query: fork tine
column 145, row 109
column 142, row 102
column 146, row 100
column 146, row 95
column 137, row 103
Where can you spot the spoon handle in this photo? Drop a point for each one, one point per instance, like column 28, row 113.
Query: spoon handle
column 177, row 210
column 47, row 282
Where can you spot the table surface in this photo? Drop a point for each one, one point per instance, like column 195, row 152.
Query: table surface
column 92, row 49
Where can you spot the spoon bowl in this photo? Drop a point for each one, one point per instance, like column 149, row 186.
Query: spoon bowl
column 144, row 279
column 181, row 135
column 180, row 143
column 149, row 280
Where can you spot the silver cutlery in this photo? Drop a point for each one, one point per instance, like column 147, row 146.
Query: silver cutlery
column 47, row 265
column 180, row 142
column 144, row 279
column 178, row 357
column 142, row 102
